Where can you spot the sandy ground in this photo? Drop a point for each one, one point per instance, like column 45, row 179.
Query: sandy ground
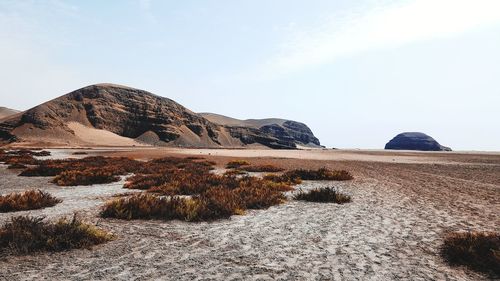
column 403, row 204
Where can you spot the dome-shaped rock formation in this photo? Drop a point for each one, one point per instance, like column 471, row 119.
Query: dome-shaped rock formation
column 415, row 141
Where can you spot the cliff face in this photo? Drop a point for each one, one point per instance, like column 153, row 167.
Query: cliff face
column 415, row 141
column 130, row 113
column 286, row 131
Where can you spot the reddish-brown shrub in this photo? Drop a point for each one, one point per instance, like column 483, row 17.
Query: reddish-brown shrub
column 320, row 174
column 86, row 177
column 262, row 168
column 27, row 200
column 17, row 166
column 323, row 195
column 23, row 234
column 479, row 251
column 236, row 164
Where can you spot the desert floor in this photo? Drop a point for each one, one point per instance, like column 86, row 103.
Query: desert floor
column 403, row 204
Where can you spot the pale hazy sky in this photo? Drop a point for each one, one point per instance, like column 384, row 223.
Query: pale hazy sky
column 356, row 72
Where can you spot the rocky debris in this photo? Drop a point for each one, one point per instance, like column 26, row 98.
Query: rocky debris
column 415, row 141
column 145, row 117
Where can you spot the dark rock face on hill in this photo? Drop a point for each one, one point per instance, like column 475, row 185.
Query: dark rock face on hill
column 138, row 115
column 415, row 141
column 286, row 131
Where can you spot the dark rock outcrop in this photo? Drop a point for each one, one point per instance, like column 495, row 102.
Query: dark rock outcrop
column 142, row 116
column 286, row 131
column 415, row 141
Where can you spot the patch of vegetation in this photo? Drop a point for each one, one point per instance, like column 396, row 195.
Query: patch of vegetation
column 213, row 197
column 262, row 168
column 16, row 157
column 480, row 251
column 23, row 234
column 86, row 177
column 236, row 164
column 234, row 172
column 320, row 174
column 283, row 179
column 80, row 153
column 323, row 195
column 27, row 200
column 17, row 166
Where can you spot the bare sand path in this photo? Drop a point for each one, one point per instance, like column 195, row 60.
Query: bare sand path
column 391, row 231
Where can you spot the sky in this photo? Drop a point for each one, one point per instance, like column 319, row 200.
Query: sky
column 356, row 72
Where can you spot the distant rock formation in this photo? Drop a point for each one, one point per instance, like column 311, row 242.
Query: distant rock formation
column 108, row 114
column 6, row 112
column 415, row 141
column 284, row 130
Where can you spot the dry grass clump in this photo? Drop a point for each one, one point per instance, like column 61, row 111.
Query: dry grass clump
column 14, row 157
column 27, row 200
column 320, row 174
column 323, row 195
column 479, row 251
column 234, row 172
column 17, row 166
column 283, row 179
column 116, row 165
column 25, row 234
column 144, row 206
column 236, row 164
column 262, row 168
column 85, row 177
column 86, row 171
column 214, row 204
column 98, row 170
column 214, row 197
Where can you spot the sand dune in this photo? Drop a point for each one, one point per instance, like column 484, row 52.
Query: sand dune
column 96, row 137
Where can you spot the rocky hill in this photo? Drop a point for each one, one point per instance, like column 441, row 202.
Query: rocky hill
column 415, row 141
column 6, row 112
column 114, row 115
column 285, row 130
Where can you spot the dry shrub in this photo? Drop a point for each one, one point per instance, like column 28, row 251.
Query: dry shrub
column 85, row 177
column 86, row 171
column 262, row 168
column 27, row 200
column 234, row 172
column 320, row 174
column 25, row 234
column 188, row 183
column 144, row 206
column 214, row 204
column 216, row 197
column 17, row 166
column 323, row 195
column 259, row 196
column 143, row 182
column 283, row 179
column 236, row 164
column 22, row 159
column 479, row 251
column 98, row 169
